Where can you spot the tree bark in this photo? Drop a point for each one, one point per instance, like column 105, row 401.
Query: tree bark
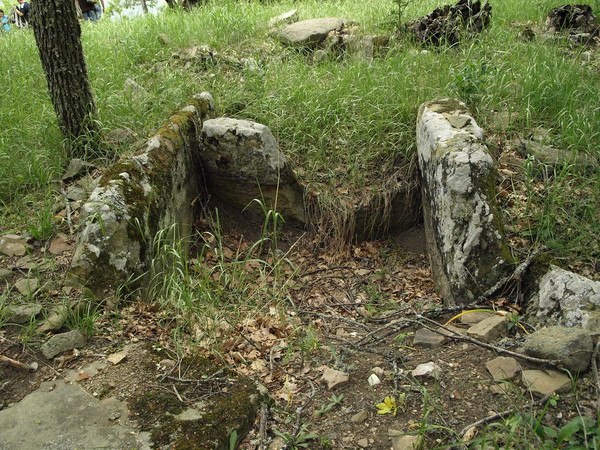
column 58, row 37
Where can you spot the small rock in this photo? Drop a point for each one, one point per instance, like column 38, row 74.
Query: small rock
column 489, row 329
column 21, row 314
column 427, row 370
column 573, row 347
column 309, row 33
column 77, row 168
column 59, row 244
column 13, row 245
column 363, row 443
column 373, row 380
column 27, row 286
column 5, row 274
column 63, row 342
column 114, row 415
column 167, row 363
column 407, row 442
column 360, row 416
column 277, row 443
column 287, row 17
column 471, row 318
column 189, row 415
column 503, row 368
column 334, row 377
column 457, row 121
column 54, row 320
column 429, row 339
column 545, row 382
column 116, row 358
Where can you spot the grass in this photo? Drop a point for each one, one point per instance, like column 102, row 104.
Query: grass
column 344, row 124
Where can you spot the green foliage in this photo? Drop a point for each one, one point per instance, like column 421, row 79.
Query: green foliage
column 83, row 317
column 300, row 440
column 332, row 402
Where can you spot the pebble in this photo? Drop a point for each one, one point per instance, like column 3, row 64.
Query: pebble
column 27, row 286
column 360, row 416
column 428, row 339
column 334, row 377
column 427, row 370
column 503, row 368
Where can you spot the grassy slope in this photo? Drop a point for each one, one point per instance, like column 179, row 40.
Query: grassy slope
column 343, row 123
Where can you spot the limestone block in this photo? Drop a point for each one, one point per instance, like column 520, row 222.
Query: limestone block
column 564, row 298
column 571, row 346
column 462, row 221
column 309, row 33
column 241, row 161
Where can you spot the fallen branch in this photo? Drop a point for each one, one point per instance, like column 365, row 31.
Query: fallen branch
column 461, row 337
column 18, row 364
column 595, row 371
column 262, row 429
column 501, row 415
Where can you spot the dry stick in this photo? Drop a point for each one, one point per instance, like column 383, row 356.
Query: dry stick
column 461, row 337
column 500, row 415
column 379, row 330
column 15, row 363
column 339, row 318
column 262, row 429
column 595, row 371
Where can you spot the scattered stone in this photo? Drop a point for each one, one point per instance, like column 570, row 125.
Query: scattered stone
column 167, row 363
column 407, row 442
column 55, row 319
column 460, row 210
column 13, row 245
column 546, row 382
column 490, row 329
column 373, row 380
column 27, row 286
column 243, row 162
column 500, row 389
column 448, row 24
column 5, row 274
column 60, row 244
column 133, row 88
column 287, row 17
column 21, row 314
column 334, row 377
column 309, row 33
column 472, row 318
column 77, row 168
column 360, row 416
column 503, row 368
column 427, row 370
column 63, row 342
column 363, row 443
column 564, row 298
column 76, row 193
column 573, row 347
column 428, row 339
column 277, row 443
column 543, row 155
column 189, row 415
column 116, row 358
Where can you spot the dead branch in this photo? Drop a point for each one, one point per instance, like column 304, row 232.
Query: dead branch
column 595, row 371
column 495, row 348
column 501, row 415
column 262, row 429
column 18, row 364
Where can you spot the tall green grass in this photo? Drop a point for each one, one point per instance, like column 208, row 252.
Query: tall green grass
column 344, row 123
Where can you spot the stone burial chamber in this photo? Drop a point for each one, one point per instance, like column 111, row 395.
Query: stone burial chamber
column 194, row 157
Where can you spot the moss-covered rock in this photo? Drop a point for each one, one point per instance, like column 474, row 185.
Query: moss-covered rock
column 462, row 221
column 217, row 402
column 138, row 196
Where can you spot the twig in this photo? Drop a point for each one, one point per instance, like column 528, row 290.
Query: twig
column 299, row 411
column 497, row 349
column 177, row 394
column 339, row 318
column 262, row 429
column 595, row 371
column 17, row 364
column 393, row 323
column 500, row 415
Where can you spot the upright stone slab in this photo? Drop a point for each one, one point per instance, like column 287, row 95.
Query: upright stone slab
column 462, row 221
column 242, row 162
column 138, row 196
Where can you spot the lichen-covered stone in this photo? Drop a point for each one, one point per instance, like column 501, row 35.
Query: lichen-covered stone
column 462, row 221
column 241, row 161
column 137, row 197
column 564, row 298
column 572, row 347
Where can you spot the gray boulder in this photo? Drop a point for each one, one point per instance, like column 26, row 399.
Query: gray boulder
column 462, row 220
column 242, row 162
column 571, row 346
column 63, row 342
column 309, row 33
column 565, row 298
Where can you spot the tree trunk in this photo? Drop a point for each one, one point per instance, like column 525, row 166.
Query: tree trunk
column 144, row 7
column 58, row 37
